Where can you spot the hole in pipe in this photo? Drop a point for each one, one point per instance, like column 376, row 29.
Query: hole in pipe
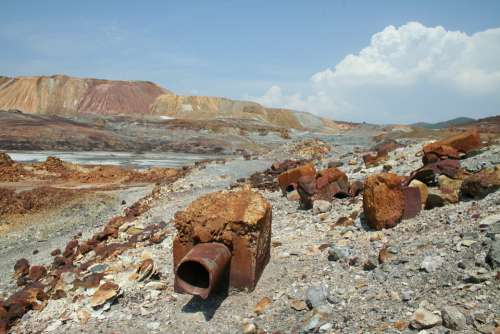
column 194, row 274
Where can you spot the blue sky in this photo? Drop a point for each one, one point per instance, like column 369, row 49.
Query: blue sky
column 237, row 49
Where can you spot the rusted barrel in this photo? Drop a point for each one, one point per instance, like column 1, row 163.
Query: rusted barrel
column 199, row 271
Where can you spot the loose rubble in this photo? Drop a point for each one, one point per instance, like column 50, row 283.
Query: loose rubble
column 353, row 249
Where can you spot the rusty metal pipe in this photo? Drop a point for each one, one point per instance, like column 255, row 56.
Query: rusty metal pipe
column 199, row 271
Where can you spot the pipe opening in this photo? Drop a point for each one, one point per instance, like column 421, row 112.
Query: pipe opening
column 194, row 274
column 290, row 188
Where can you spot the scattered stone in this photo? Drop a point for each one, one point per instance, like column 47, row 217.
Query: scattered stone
column 321, row 206
column 298, row 305
column 249, row 327
column 493, row 256
column 423, row 319
column 316, row 296
column 431, row 263
column 262, row 305
column 317, row 318
column 481, row 184
column 453, row 318
column 370, row 263
column 107, row 292
column 338, row 253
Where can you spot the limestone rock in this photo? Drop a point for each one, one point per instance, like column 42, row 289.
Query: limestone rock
column 321, row 206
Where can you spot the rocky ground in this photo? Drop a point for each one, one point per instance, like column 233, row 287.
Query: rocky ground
column 329, row 272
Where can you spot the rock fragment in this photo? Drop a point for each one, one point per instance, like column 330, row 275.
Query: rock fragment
column 383, row 200
column 262, row 305
column 321, row 206
column 423, row 319
column 453, row 318
column 107, row 292
column 431, row 263
column 493, row 256
column 316, row 296
column 482, row 183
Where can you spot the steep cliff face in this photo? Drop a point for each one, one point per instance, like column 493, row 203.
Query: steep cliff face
column 63, row 95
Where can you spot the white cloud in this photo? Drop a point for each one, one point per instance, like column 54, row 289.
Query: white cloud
column 406, row 74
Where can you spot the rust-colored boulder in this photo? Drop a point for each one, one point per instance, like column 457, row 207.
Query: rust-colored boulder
column 37, row 273
column 383, row 200
column 372, row 160
column 452, row 146
column 481, row 184
column 287, row 181
column 330, row 183
column 355, row 188
column 241, row 220
column 429, row 173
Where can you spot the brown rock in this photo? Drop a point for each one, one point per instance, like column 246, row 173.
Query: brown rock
column 481, row 184
column 37, row 273
column 413, row 202
column 383, row 200
column 371, row 160
column 422, row 188
column 241, row 220
column 450, row 187
column 436, row 151
column 429, row 173
column 105, row 293
column 298, row 305
column 330, row 182
column 306, row 188
column 463, row 142
column 21, row 268
column 287, row 181
column 262, row 305
column 355, row 188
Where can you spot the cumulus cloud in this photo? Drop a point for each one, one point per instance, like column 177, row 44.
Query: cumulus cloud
column 406, row 74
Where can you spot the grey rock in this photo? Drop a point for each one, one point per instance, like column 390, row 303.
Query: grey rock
column 406, row 295
column 317, row 318
column 431, row 263
column 321, row 206
column 370, row 263
column 423, row 319
column 453, row 318
column 316, row 296
column 493, row 256
column 338, row 253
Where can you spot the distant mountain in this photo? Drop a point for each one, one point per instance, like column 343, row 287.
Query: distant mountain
column 442, row 125
column 68, row 96
column 63, row 95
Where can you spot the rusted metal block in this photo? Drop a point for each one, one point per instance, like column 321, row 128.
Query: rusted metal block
column 241, row 221
column 288, row 180
column 413, row 202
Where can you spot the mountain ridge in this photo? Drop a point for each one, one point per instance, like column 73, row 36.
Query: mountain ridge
column 66, row 95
